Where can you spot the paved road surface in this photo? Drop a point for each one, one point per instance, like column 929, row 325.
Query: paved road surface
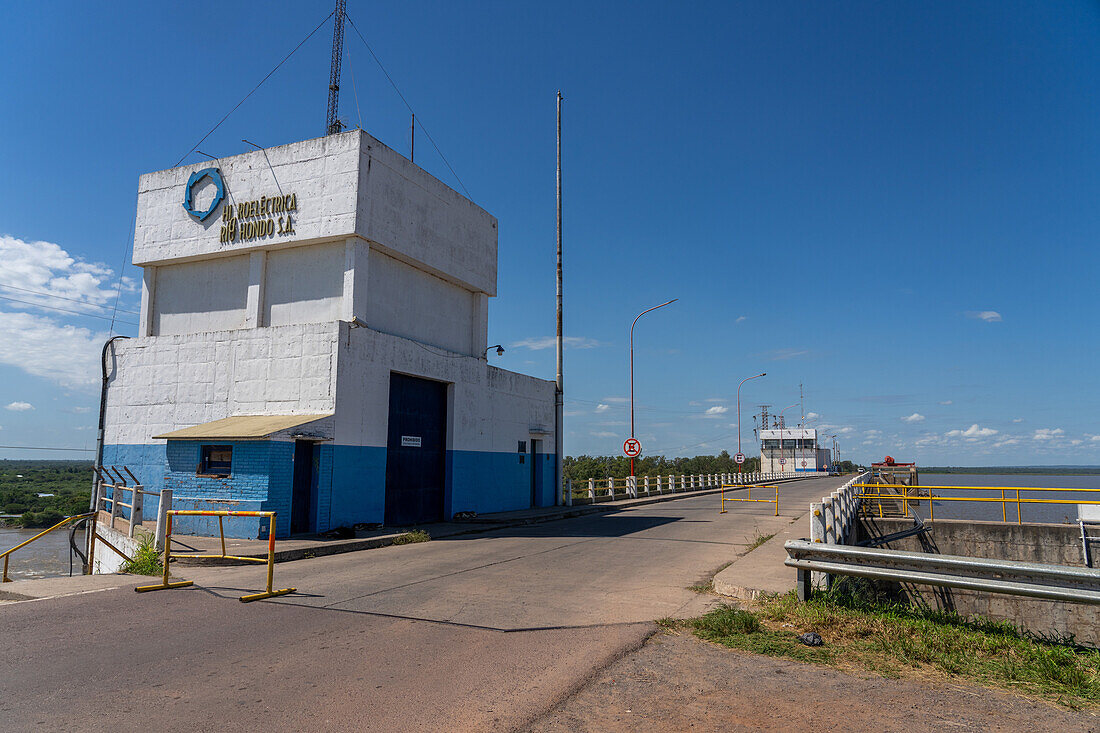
column 477, row 632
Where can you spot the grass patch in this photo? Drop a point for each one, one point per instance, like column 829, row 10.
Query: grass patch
column 417, row 535
column 895, row 640
column 759, row 539
column 146, row 560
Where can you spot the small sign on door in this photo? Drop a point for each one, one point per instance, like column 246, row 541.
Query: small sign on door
column 410, row 441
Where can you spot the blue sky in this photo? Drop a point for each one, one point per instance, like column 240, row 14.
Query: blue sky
column 891, row 203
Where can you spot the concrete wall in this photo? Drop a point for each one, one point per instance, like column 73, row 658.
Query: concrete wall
column 304, row 285
column 196, row 297
column 1055, row 544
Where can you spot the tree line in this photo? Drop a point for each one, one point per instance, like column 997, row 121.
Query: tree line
column 579, row 469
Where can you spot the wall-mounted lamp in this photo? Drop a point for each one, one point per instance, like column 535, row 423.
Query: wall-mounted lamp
column 498, row 347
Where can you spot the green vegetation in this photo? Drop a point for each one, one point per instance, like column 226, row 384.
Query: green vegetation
column 417, row 535
column 146, row 560
column 759, row 539
column 581, row 468
column 21, row 482
column 896, row 640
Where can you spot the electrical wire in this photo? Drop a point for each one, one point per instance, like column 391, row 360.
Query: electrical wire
column 62, row 297
column 285, row 58
column 125, row 256
column 38, row 447
column 354, row 87
column 65, row 310
column 407, row 105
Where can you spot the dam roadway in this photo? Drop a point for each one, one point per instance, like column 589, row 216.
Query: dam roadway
column 475, row 632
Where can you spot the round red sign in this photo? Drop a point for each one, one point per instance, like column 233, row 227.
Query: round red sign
column 632, row 447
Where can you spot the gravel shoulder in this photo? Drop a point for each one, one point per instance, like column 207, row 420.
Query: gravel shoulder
column 676, row 682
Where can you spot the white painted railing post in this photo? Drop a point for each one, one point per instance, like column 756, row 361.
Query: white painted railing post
column 632, row 486
column 683, row 482
column 647, row 485
column 659, row 492
column 611, row 487
column 592, row 488
column 163, row 507
column 135, row 510
column 829, row 515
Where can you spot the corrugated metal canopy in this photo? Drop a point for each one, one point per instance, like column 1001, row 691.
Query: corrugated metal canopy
column 242, row 426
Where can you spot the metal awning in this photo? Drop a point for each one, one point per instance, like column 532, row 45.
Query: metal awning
column 240, row 427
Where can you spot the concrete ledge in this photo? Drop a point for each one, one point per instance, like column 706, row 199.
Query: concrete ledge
column 761, row 572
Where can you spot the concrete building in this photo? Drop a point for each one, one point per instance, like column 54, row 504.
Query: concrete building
column 312, row 341
column 792, row 449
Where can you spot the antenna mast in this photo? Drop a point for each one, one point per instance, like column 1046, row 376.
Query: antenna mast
column 332, row 125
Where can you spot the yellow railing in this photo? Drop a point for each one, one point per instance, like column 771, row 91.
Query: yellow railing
column 166, row 584
column 917, row 494
column 6, row 554
column 749, row 497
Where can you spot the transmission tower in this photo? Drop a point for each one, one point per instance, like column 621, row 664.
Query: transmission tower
column 333, row 125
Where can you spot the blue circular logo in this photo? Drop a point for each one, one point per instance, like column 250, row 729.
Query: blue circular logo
column 192, row 183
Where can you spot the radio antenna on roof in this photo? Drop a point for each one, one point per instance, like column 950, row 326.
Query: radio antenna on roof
column 333, row 125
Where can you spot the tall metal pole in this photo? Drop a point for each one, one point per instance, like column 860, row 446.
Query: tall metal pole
column 761, row 374
column 412, row 139
column 632, row 325
column 559, row 391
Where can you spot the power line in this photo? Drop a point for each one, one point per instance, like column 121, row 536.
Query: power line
column 223, row 119
column 36, row 447
column 122, row 269
column 407, row 105
column 62, row 297
column 64, row 310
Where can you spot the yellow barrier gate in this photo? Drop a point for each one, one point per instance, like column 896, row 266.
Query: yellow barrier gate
column 749, row 497
column 166, row 584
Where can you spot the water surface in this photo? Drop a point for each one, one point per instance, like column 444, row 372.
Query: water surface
column 46, row 557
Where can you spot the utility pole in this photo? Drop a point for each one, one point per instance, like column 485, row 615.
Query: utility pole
column 332, row 125
column 559, row 390
column 412, row 139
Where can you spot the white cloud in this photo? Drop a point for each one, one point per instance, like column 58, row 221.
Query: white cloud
column 974, row 431
column 616, row 399
column 1048, row 434
column 987, row 316
column 602, row 407
column 914, row 418
column 716, row 410
column 947, row 402
column 1017, row 419
column 44, row 348
column 1076, row 442
column 603, row 434
column 52, row 273
column 1006, row 441
column 19, row 406
column 538, row 343
column 741, row 319
column 812, row 416
column 1093, row 438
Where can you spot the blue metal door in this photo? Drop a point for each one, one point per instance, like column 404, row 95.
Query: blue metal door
column 416, row 450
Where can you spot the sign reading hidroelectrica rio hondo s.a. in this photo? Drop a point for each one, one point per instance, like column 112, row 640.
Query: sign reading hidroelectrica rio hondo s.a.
column 246, row 220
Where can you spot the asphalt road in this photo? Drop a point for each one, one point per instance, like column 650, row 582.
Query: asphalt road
column 476, row 632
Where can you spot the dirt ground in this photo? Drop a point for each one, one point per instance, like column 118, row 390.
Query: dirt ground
column 676, row 682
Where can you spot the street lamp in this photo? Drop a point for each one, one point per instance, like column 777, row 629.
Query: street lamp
column 782, row 427
column 755, row 376
column 662, row 305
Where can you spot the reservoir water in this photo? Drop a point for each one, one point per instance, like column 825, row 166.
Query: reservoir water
column 46, row 557
column 991, row 510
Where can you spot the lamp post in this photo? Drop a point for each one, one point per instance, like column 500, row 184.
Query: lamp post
column 755, row 376
column 782, row 427
column 662, row 305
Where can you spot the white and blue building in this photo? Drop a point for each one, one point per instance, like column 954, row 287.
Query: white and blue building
column 312, row 341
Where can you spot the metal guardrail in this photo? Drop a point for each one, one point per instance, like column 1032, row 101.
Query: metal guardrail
column 166, row 584
column 874, row 495
column 109, row 477
column 1033, row 580
column 93, row 537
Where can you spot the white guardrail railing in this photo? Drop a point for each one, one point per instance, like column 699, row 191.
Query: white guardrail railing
column 831, row 519
column 632, row 487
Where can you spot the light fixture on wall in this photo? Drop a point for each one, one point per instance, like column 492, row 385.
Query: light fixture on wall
column 498, row 347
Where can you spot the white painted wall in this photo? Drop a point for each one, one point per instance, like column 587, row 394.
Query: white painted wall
column 405, row 301
column 195, row 297
column 166, row 383
column 304, row 285
column 491, row 408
